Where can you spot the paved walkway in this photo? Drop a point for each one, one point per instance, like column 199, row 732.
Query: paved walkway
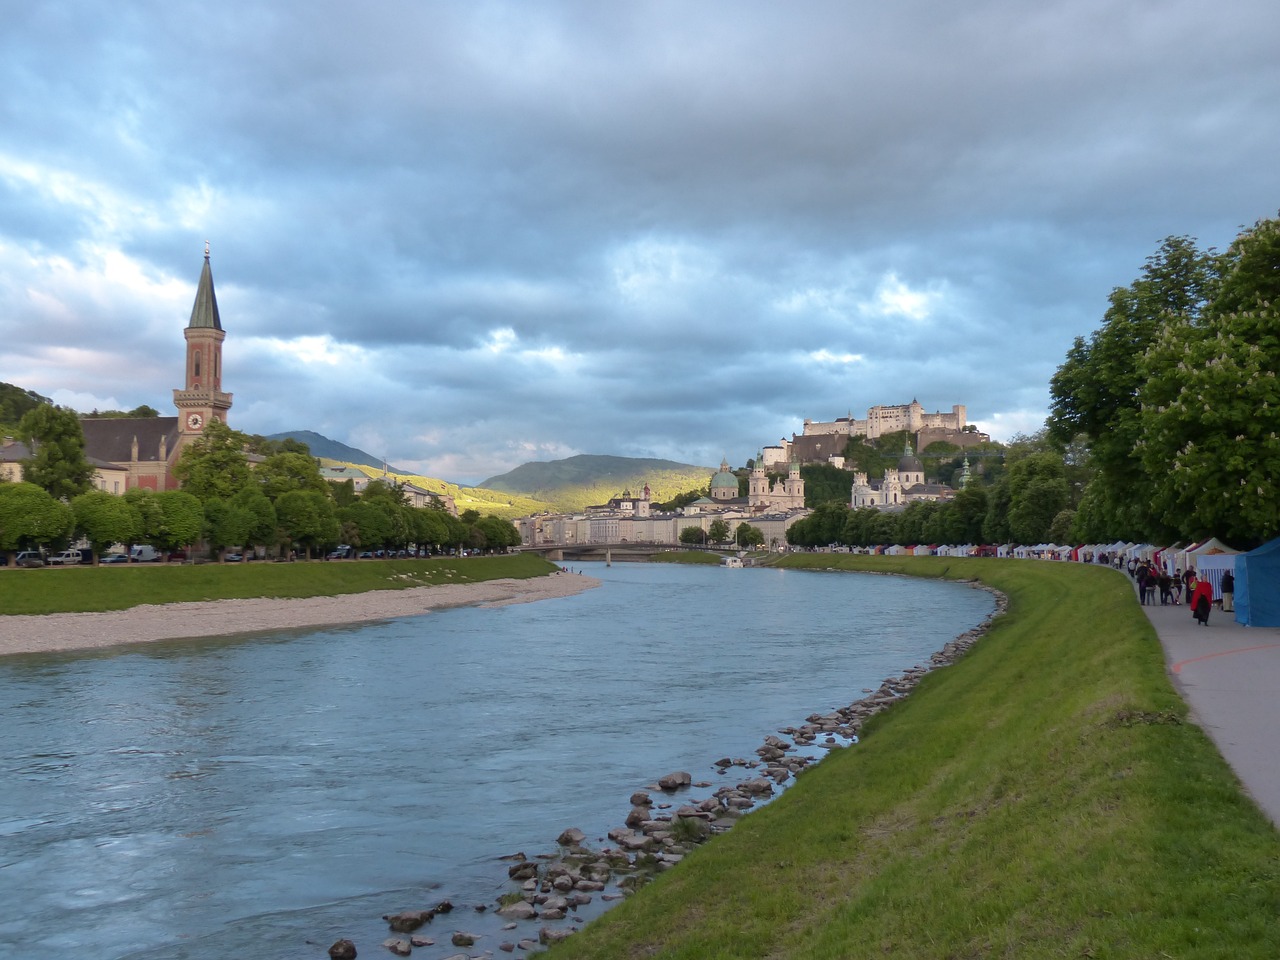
column 1230, row 677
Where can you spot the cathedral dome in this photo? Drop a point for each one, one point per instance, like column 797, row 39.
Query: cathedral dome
column 724, row 479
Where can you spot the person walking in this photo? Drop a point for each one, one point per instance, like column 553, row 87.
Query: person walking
column 1228, row 592
column 1201, row 600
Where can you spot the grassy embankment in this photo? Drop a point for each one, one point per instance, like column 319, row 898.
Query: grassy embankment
column 86, row 589
column 1041, row 798
column 687, row 556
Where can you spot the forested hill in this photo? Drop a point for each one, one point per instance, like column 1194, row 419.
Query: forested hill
column 588, row 479
column 15, row 402
column 322, row 446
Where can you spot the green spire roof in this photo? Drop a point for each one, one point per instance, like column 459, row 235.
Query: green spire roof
column 204, row 313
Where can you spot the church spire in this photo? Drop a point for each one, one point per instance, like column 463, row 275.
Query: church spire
column 204, row 312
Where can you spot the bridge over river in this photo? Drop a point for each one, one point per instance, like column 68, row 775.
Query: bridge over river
column 608, row 552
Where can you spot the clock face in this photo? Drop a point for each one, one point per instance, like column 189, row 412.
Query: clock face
column 195, row 421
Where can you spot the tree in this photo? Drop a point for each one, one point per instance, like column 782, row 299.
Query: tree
column 281, row 472
column 57, row 463
column 30, row 517
column 693, row 536
column 718, row 531
column 430, row 529
column 226, row 525
column 214, row 466
column 1095, row 392
column 150, row 512
column 103, row 519
column 498, row 533
column 1211, row 403
column 1037, row 490
column 183, row 520
column 372, row 520
column 262, row 524
column 748, row 536
column 306, row 517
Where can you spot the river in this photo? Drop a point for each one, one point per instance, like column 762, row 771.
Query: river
column 265, row 795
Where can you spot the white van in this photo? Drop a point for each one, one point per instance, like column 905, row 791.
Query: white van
column 144, row 553
column 66, row 558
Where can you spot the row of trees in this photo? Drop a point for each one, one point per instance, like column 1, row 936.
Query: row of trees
column 1176, row 400
column 281, row 504
column 1031, row 501
column 717, row 532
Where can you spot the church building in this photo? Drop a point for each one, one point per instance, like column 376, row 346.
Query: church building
column 131, row 452
column 899, row 487
column 783, row 495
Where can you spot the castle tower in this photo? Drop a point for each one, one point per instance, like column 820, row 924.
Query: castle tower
column 201, row 399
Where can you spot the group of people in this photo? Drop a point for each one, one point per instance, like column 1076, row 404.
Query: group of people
column 1172, row 588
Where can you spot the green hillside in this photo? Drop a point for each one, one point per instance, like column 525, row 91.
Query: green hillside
column 584, row 480
column 505, row 505
column 321, row 446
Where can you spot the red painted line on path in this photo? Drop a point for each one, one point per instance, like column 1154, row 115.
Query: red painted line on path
column 1177, row 667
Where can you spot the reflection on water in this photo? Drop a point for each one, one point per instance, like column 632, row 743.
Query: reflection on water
column 265, row 795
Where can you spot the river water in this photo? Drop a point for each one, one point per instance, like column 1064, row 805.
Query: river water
column 265, row 795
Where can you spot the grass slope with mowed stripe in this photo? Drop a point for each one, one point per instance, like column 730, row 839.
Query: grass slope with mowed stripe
column 1043, row 797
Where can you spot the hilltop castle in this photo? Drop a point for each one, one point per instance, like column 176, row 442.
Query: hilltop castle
column 825, row 441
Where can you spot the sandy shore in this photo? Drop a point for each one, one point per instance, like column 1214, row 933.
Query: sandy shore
column 171, row 621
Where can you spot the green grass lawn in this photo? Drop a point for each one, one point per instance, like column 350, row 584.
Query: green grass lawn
column 1044, row 797
column 84, row 589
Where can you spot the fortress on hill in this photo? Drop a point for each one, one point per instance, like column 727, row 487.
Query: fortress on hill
column 823, row 440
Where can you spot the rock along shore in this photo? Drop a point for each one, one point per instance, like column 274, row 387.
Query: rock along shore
column 548, row 890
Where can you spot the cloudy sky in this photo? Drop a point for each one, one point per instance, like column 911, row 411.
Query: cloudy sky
column 467, row 235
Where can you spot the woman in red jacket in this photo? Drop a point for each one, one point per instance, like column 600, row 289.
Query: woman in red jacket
column 1201, row 600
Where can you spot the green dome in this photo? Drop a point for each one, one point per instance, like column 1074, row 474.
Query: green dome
column 724, row 479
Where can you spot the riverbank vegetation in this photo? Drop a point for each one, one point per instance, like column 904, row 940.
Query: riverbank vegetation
column 91, row 589
column 1044, row 797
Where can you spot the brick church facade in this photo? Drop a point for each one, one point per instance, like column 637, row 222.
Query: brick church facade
column 134, row 452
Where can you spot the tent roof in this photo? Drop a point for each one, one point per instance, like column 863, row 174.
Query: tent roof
column 1212, row 545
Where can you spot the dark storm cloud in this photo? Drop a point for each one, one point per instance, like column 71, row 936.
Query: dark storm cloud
column 466, row 236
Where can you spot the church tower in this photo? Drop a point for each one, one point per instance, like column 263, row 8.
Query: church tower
column 201, row 399
column 758, row 483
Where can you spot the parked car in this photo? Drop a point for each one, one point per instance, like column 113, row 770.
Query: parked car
column 67, row 558
column 145, row 553
column 114, row 558
column 234, row 557
column 177, row 556
column 30, row 558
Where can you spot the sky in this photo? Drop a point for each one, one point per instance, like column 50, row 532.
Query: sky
column 464, row 236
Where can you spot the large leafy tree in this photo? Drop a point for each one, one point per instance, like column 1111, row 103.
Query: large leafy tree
column 1038, row 492
column 281, row 472
column 307, row 518
column 372, row 521
column 103, row 519
column 748, row 536
column 57, row 463
column 214, row 466
column 262, row 524
column 30, row 517
column 149, row 509
column 693, row 535
column 182, row 519
column 227, row 524
column 1211, row 403
column 499, row 534
column 1095, row 392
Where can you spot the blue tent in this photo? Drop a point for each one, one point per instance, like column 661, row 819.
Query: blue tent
column 1258, row 586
